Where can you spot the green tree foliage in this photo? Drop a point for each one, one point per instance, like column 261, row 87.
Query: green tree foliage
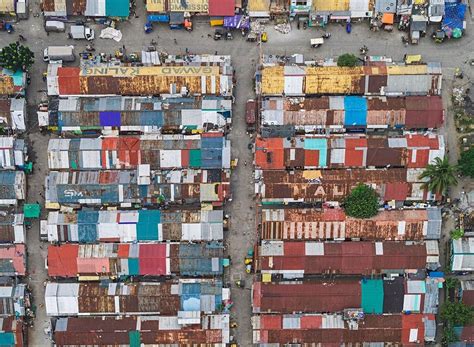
column 456, row 313
column 456, row 234
column 451, row 282
column 466, row 163
column 16, row 57
column 449, row 335
column 440, row 176
column 362, row 202
column 347, row 59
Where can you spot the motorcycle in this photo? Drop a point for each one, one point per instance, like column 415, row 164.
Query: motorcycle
column 363, row 50
column 326, row 35
column 348, row 27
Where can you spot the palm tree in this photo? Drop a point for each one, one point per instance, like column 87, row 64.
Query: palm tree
column 440, row 176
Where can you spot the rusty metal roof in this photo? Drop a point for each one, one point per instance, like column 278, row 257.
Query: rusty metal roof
column 330, row 184
column 348, row 258
column 313, row 224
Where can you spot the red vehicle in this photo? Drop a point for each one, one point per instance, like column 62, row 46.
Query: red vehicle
column 251, row 114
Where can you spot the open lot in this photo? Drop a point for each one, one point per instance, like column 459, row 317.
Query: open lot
column 245, row 55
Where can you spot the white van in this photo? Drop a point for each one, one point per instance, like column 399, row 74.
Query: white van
column 54, row 26
column 64, row 53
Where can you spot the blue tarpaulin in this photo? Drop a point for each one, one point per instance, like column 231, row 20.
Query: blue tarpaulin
column 453, row 15
column 158, row 18
column 109, row 119
column 355, row 111
column 237, row 22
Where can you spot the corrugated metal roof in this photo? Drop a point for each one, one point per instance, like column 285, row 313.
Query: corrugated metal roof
column 130, row 226
column 213, row 78
column 126, row 187
column 347, row 151
column 334, row 184
column 143, row 259
column 152, row 329
column 312, row 224
column 402, row 80
column 143, row 299
column 12, row 260
column 341, row 258
column 160, row 152
column 307, row 114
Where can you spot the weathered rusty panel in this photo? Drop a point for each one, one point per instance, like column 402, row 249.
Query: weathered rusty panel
column 171, row 232
column 273, row 80
column 48, row 5
column 78, row 7
column 376, row 83
column 6, row 85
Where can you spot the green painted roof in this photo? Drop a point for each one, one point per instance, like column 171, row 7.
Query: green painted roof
column 32, row 210
column 7, row 339
column 117, row 8
column 372, row 296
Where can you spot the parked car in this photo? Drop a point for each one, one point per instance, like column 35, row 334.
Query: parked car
column 81, row 32
column 54, row 26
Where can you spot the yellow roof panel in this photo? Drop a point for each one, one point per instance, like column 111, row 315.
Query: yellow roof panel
column 407, row 70
column 7, row 6
column 331, row 5
column 258, row 5
column 155, row 5
column 273, row 80
column 201, row 6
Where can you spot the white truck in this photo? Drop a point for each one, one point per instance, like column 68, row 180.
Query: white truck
column 55, row 53
column 81, row 32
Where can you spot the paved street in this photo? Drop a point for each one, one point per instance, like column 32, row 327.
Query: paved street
column 244, row 57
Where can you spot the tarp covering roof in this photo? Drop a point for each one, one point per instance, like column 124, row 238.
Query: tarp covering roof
column 454, row 15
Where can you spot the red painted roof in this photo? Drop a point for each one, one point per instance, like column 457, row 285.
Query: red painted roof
column 348, row 258
column 273, row 156
column 68, row 81
column 62, row 260
column 221, row 7
column 396, row 191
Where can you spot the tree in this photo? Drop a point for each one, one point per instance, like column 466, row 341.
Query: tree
column 440, row 176
column 457, row 233
column 362, row 202
column 456, row 313
column 449, row 335
column 16, row 57
column 451, row 282
column 466, row 163
column 347, row 59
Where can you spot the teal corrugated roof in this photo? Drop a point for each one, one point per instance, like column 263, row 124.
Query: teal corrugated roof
column 133, row 267
column 117, row 8
column 318, row 144
column 7, row 339
column 372, row 296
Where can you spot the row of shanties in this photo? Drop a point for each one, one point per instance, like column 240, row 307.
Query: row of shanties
column 15, row 312
column 136, row 221
column 324, row 276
